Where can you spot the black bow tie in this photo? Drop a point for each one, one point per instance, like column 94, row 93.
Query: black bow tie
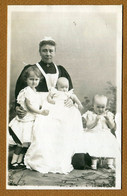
column 49, row 64
column 46, row 64
column 48, row 67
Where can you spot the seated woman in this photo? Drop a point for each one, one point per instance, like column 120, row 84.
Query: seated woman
column 50, row 73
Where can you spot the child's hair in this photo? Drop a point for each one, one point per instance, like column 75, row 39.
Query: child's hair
column 101, row 97
column 61, row 79
column 33, row 68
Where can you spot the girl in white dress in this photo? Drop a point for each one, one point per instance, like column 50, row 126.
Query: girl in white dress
column 21, row 129
column 55, row 136
column 98, row 140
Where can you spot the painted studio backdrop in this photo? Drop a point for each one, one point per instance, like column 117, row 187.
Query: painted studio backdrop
column 86, row 44
column 89, row 46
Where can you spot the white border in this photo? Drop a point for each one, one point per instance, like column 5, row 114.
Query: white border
column 68, row 8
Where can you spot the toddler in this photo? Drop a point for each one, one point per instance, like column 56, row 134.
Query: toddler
column 98, row 140
column 21, row 128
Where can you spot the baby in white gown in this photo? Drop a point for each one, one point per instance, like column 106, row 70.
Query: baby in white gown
column 61, row 90
column 58, row 96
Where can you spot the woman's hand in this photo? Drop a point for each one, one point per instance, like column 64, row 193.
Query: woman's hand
column 68, row 103
column 51, row 101
column 20, row 111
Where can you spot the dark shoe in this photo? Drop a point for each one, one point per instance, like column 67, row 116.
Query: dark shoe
column 111, row 167
column 14, row 166
column 21, row 165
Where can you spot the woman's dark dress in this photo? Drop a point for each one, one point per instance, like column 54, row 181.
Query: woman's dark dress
column 42, row 87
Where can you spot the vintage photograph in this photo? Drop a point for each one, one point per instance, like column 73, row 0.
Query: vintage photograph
column 64, row 97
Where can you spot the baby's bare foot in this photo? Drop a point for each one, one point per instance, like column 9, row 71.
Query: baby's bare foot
column 45, row 112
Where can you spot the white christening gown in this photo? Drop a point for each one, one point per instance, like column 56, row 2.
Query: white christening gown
column 54, row 138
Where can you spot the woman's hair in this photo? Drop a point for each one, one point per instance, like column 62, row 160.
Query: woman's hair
column 46, row 42
column 33, row 68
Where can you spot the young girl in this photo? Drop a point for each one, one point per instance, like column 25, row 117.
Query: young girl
column 21, row 129
column 55, row 136
column 98, row 140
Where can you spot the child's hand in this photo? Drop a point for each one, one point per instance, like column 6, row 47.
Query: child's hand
column 106, row 117
column 98, row 118
column 45, row 112
column 110, row 121
column 50, row 99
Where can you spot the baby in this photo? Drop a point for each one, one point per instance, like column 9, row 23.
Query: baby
column 62, row 90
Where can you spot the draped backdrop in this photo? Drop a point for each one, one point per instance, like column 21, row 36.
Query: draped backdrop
column 86, row 43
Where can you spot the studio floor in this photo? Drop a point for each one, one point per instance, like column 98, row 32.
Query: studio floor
column 77, row 178
column 84, row 178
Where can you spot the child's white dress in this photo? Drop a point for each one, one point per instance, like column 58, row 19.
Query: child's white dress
column 99, row 141
column 23, row 127
column 54, row 138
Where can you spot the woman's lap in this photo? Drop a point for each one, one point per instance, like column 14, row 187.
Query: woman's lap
column 53, row 143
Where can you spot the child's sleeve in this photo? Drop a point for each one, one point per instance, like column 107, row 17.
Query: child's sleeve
column 89, row 116
column 85, row 116
column 85, row 119
column 29, row 95
column 20, row 84
column 21, row 97
column 71, row 92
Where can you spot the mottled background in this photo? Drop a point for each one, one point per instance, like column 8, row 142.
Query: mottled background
column 86, row 44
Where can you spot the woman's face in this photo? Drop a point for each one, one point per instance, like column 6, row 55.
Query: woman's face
column 47, row 52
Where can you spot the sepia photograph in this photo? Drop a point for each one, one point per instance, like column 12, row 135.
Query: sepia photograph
column 64, row 97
